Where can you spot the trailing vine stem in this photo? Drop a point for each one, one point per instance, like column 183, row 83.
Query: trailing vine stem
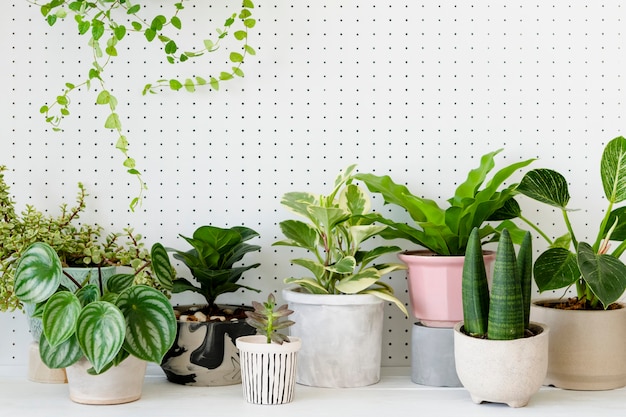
column 97, row 18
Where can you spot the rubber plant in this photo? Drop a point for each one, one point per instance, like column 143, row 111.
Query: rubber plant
column 104, row 323
column 335, row 229
column 106, row 24
column 596, row 272
column 268, row 319
column 504, row 314
column 446, row 230
column 212, row 262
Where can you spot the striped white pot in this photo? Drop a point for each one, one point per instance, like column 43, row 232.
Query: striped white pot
column 268, row 370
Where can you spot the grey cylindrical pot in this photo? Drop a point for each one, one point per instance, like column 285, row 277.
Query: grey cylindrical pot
column 432, row 356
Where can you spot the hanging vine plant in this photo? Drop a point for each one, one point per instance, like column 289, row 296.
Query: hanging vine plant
column 106, row 23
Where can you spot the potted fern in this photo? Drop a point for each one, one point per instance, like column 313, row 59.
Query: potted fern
column 500, row 355
column 204, row 353
column 268, row 359
column 338, row 303
column 103, row 332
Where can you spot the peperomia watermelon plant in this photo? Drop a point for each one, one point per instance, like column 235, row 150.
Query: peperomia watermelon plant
column 445, row 231
column 107, row 23
column 103, row 321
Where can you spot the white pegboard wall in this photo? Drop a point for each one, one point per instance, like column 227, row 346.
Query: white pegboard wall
column 415, row 89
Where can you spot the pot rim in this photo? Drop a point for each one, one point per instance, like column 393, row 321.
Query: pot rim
column 580, row 311
column 257, row 344
column 296, row 295
column 545, row 330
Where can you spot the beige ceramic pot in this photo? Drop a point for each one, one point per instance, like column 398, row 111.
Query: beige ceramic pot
column 502, row 371
column 587, row 348
column 434, row 283
column 120, row 384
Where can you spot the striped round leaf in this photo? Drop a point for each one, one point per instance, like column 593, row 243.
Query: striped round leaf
column 87, row 294
column 161, row 266
column 101, row 329
column 119, row 282
column 38, row 273
column 150, row 321
column 60, row 316
column 61, row 356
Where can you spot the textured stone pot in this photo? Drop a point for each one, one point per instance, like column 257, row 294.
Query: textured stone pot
column 341, row 338
column 587, row 348
column 432, row 356
column 268, row 370
column 434, row 284
column 205, row 354
column 119, row 384
column 502, row 371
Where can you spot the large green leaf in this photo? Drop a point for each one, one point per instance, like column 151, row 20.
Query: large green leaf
column 150, row 322
column 353, row 200
column 555, row 268
column 343, row 266
column 161, row 266
column 604, row 274
column 315, row 267
column 546, row 186
column 358, row 282
column 38, row 273
column 475, row 178
column 119, row 282
column 100, row 331
column 613, row 170
column 61, row 356
column 60, row 316
column 88, row 294
column 298, row 234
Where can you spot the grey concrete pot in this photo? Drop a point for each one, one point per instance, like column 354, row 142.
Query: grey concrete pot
column 432, row 356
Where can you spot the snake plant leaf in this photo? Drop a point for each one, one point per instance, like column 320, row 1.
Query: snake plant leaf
column 100, row 332
column 150, row 322
column 525, row 273
column 161, row 266
column 474, row 288
column 555, row 268
column 604, row 274
column 61, row 356
column 546, row 186
column 613, row 170
column 298, row 234
column 60, row 317
column 38, row 273
column 506, row 308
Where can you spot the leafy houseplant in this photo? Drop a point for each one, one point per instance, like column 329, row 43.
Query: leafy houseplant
column 104, row 323
column 106, row 24
column 205, row 353
column 337, row 226
column 268, row 359
column 500, row 355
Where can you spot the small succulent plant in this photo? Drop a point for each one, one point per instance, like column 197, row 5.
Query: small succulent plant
column 268, row 319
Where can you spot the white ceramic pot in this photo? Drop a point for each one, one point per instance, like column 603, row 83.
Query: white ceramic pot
column 268, row 370
column 120, row 384
column 502, row 371
column 341, row 338
column 587, row 348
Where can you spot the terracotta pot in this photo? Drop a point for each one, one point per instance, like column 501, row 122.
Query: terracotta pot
column 502, row 371
column 434, row 283
column 341, row 338
column 119, row 384
column 268, row 370
column 204, row 353
column 587, row 348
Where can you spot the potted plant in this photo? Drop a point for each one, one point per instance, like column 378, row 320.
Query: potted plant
column 435, row 270
column 268, row 359
column 591, row 326
column 338, row 308
column 500, row 355
column 204, row 353
column 98, row 329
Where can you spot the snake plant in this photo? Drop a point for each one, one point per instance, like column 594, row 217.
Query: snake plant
column 503, row 314
column 104, row 322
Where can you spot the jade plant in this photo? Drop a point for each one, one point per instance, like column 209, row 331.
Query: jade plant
column 106, row 24
column 76, row 244
column 268, row 319
column 105, row 321
column 503, row 314
column 212, row 261
column 335, row 228
column 596, row 271
column 446, row 230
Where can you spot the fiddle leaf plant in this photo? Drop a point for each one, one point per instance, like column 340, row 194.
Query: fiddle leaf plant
column 598, row 275
column 335, row 229
column 268, row 319
column 106, row 24
column 101, row 325
column 445, row 231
